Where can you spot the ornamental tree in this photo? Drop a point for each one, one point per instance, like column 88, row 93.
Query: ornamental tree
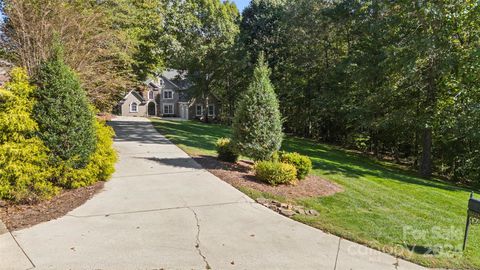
column 64, row 116
column 257, row 125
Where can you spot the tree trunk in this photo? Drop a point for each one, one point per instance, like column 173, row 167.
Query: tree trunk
column 205, row 110
column 426, row 162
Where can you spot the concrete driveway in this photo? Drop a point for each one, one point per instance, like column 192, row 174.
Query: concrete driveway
column 161, row 210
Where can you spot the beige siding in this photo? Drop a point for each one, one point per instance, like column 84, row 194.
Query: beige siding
column 173, row 100
column 142, row 109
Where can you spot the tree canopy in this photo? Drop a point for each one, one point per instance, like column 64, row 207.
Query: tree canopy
column 392, row 78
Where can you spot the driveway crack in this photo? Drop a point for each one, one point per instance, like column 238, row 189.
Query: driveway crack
column 23, row 251
column 338, row 251
column 197, row 243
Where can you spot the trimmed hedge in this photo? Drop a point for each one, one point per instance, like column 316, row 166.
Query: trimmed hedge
column 302, row 163
column 226, row 151
column 275, row 173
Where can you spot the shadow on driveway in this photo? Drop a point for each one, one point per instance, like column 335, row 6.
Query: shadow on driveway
column 139, row 132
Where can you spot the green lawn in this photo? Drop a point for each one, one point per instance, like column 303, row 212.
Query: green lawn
column 382, row 206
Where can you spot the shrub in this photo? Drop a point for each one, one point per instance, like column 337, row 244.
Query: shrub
column 275, row 173
column 226, row 151
column 100, row 166
column 66, row 122
column 257, row 126
column 24, row 170
column 302, row 163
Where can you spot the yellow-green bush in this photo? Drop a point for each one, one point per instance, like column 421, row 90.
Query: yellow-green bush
column 28, row 170
column 226, row 151
column 100, row 166
column 302, row 163
column 24, row 170
column 275, row 173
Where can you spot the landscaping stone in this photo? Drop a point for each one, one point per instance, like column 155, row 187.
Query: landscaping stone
column 262, row 201
column 286, row 209
column 301, row 211
column 286, row 212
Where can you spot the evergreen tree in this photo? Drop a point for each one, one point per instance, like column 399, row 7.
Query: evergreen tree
column 257, row 126
column 64, row 116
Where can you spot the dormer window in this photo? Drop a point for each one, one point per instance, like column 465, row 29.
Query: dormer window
column 160, row 82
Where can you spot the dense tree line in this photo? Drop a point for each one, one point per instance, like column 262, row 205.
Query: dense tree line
column 394, row 78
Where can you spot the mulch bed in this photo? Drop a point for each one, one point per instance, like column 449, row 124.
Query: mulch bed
column 240, row 174
column 20, row 216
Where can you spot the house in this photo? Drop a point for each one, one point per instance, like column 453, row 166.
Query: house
column 167, row 95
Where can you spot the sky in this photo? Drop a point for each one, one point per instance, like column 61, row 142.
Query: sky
column 241, row 4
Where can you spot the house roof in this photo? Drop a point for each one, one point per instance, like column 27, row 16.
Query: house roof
column 136, row 95
column 177, row 78
column 172, row 78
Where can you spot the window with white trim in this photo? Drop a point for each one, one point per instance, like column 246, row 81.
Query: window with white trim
column 133, row 107
column 150, row 94
column 211, row 110
column 167, row 108
column 199, row 110
column 167, row 94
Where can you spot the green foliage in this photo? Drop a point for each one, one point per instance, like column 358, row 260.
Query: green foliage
column 302, row 163
column 226, row 150
column 354, row 73
column 203, row 55
column 275, row 173
column 260, row 28
column 65, row 119
column 100, row 166
column 257, row 126
column 27, row 172
column 138, row 26
column 24, row 170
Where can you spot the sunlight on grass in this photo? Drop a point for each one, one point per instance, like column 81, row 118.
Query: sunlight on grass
column 382, row 206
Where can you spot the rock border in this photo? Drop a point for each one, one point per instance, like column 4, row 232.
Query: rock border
column 285, row 209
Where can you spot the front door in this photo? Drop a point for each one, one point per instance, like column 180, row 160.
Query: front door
column 184, row 111
column 151, row 109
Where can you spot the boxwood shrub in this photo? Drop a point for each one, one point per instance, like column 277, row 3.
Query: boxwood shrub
column 302, row 163
column 275, row 173
column 226, row 150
